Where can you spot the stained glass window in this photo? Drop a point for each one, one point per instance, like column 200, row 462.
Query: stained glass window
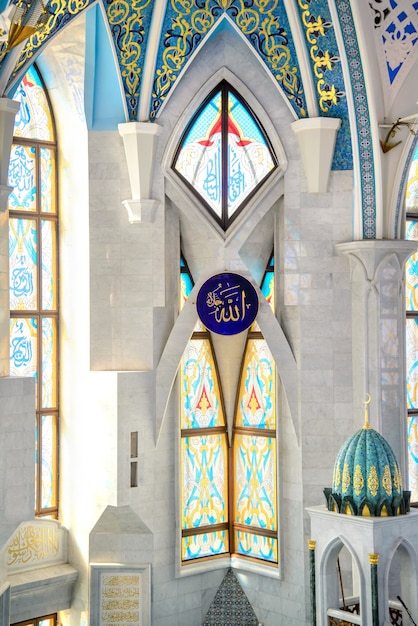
column 254, row 446
column 224, row 154
column 214, row 475
column 411, row 283
column 33, row 270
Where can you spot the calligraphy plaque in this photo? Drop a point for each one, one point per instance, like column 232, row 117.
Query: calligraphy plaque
column 120, row 595
column 227, row 303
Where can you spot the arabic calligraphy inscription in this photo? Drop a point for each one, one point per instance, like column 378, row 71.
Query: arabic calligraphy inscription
column 227, row 303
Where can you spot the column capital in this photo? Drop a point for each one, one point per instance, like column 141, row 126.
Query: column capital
column 369, row 253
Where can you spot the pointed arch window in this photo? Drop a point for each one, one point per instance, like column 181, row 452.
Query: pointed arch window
column 411, row 296
column 33, row 272
column 229, row 493
column 254, row 446
column 224, row 154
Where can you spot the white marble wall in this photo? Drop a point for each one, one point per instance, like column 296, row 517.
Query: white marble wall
column 125, row 279
column 17, row 468
column 133, row 306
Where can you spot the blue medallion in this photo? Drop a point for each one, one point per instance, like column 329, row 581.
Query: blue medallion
column 227, row 303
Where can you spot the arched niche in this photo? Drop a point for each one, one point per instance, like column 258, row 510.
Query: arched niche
column 401, row 581
column 342, row 584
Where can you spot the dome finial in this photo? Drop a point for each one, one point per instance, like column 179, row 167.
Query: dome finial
column 366, row 403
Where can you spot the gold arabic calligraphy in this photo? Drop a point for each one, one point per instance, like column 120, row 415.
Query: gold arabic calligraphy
column 228, row 303
column 121, row 602
column 33, row 543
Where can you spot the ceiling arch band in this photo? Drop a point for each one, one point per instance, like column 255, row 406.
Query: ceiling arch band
column 330, row 42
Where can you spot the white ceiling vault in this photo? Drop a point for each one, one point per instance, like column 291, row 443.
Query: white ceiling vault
column 352, row 60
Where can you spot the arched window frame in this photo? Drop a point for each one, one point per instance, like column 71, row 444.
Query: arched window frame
column 45, row 313
column 226, row 218
column 234, row 554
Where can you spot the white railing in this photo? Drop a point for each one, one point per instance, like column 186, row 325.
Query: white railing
column 345, row 618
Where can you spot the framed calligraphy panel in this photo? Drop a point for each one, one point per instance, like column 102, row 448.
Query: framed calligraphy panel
column 227, row 303
column 120, row 595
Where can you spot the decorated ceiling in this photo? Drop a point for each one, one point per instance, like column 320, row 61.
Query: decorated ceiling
column 311, row 48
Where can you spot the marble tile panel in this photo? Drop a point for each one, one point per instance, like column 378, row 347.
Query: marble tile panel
column 316, row 281
column 318, row 460
column 317, row 355
column 104, row 170
column 320, row 329
column 316, row 296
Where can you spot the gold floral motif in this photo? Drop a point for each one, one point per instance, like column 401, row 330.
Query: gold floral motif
column 57, row 8
column 337, row 476
column 397, row 479
column 387, row 481
column 346, row 478
column 358, row 480
column 259, row 20
column 373, row 481
column 315, row 29
column 128, row 17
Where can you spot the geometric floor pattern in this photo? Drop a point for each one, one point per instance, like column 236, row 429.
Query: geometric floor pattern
column 230, row 606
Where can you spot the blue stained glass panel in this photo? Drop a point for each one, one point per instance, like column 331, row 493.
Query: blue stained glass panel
column 255, row 481
column 257, row 397
column 23, row 258
column 413, row 456
column 186, row 282
column 23, row 347
column 412, row 363
column 49, row 240
column 204, row 121
column 205, row 544
column 22, row 178
column 47, row 164
column 49, row 460
column 186, row 286
column 201, row 407
column 411, row 269
column 224, row 155
column 33, row 119
column 204, row 489
column 249, row 157
column 256, row 546
column 268, row 284
column 200, row 158
column 49, row 362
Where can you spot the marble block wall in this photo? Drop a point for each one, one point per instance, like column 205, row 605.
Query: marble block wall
column 17, row 467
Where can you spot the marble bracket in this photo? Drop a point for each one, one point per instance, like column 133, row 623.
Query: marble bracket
column 317, row 137
column 139, row 139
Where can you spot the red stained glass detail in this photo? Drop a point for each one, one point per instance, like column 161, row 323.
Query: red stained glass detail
column 253, row 403
column 204, row 403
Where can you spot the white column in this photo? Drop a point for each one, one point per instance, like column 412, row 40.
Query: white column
column 378, row 317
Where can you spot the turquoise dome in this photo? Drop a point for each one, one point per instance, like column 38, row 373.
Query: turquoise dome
column 367, row 479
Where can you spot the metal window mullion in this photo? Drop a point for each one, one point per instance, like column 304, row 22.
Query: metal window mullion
column 231, row 499
column 224, row 149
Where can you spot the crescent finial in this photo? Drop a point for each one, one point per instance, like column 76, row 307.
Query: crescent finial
column 366, row 403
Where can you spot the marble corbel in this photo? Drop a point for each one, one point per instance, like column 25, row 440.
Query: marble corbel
column 8, row 110
column 317, row 137
column 139, row 140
